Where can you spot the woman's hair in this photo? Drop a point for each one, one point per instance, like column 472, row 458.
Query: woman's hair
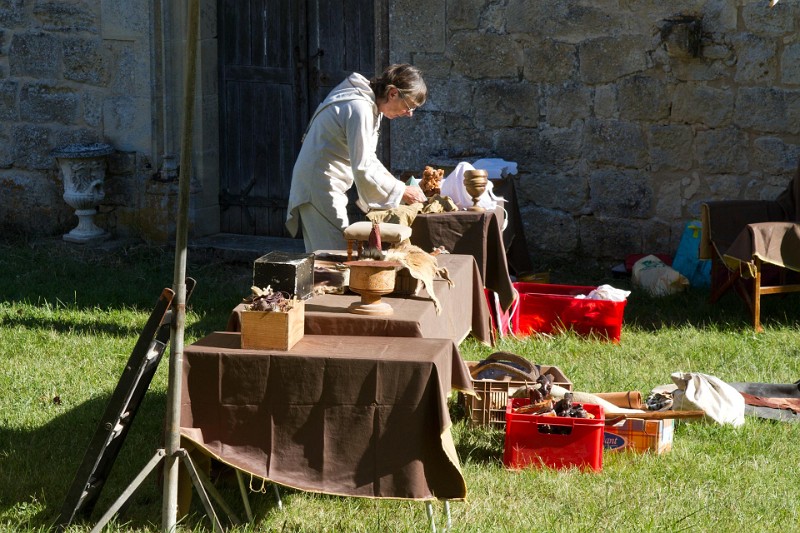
column 405, row 78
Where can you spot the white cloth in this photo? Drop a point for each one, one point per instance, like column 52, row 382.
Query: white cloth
column 710, row 394
column 338, row 152
column 453, row 186
column 606, row 292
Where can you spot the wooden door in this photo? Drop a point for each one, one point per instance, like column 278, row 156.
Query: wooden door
column 278, row 60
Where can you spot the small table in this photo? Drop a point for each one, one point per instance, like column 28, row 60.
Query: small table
column 463, row 310
column 349, row 416
column 472, row 233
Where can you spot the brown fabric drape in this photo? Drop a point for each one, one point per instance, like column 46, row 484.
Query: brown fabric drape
column 352, row 416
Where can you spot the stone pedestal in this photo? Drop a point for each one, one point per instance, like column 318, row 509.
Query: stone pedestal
column 83, row 168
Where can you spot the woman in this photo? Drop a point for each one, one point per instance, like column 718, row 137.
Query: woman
column 339, row 150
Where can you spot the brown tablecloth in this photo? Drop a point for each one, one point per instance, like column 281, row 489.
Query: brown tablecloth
column 352, row 416
column 469, row 233
column 463, row 310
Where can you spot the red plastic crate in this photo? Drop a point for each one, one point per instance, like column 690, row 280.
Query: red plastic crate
column 550, row 308
column 528, row 442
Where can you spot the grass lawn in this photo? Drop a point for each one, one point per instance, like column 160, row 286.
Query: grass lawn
column 69, row 318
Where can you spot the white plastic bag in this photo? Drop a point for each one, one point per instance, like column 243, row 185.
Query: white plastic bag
column 714, row 397
column 657, row 278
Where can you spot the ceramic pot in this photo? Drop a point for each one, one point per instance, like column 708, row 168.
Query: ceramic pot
column 372, row 279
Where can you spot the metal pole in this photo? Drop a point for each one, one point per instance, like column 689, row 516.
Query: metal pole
column 169, row 507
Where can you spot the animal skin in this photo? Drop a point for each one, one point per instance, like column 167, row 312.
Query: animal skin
column 422, row 266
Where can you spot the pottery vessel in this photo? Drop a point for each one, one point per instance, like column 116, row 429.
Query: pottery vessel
column 372, row 280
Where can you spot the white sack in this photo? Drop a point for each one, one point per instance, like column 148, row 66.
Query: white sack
column 714, row 397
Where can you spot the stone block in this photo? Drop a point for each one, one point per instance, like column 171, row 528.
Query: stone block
column 35, row 55
column 642, row 98
column 8, row 100
column 624, row 194
column 722, row 150
column 47, row 102
column 571, row 21
column 610, row 237
column 790, row 64
column 773, row 156
column 32, row 147
column 605, row 101
column 285, row 272
column 499, row 104
column 549, row 231
column 615, row 142
column 478, row 56
column 87, row 61
column 550, row 61
column 565, row 103
column 127, row 123
column 670, row 147
column 559, row 190
column 67, row 16
column 772, row 21
column 92, row 108
column 669, row 205
column 125, row 20
column 417, row 26
column 123, row 75
column 768, row 109
column 606, row 59
column 757, row 61
column 13, row 14
column 463, row 15
column 32, row 204
column 698, row 103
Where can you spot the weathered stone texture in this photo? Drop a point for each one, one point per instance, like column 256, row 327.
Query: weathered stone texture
column 670, row 147
column 63, row 16
column 696, row 103
column 615, row 142
column 775, row 21
column 723, row 150
column 645, row 98
column 463, row 15
column 551, row 231
column 773, row 156
column 757, row 62
column 610, row 237
column 477, row 55
column 571, row 20
column 87, row 61
column 8, row 100
column 550, row 61
column 35, row 55
column 790, row 64
column 625, row 194
column 13, row 13
column 564, row 191
column 417, row 26
column 768, row 109
column 498, row 105
column 607, row 59
column 47, row 102
column 32, row 147
column 566, row 103
column 125, row 20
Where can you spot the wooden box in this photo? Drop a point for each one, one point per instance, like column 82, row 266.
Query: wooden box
column 273, row 330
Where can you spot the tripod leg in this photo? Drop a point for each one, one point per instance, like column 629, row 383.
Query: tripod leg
column 201, row 491
column 128, row 492
column 213, row 492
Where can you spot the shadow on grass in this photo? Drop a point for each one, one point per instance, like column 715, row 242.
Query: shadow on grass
column 40, row 465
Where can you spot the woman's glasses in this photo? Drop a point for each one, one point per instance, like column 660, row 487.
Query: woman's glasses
column 410, row 109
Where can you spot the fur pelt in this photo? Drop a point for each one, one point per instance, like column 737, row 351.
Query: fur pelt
column 422, row 266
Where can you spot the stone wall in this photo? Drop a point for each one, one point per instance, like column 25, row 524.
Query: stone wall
column 72, row 71
column 623, row 115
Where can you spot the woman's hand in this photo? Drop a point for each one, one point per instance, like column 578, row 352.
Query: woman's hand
column 413, row 194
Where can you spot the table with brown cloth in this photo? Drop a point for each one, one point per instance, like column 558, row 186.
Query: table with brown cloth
column 349, row 416
column 475, row 233
column 463, row 310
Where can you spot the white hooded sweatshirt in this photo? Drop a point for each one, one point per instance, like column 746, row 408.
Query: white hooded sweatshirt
column 339, row 151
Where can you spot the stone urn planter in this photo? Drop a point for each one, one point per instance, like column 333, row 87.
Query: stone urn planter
column 83, row 168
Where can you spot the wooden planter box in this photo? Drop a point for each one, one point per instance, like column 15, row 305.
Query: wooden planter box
column 273, row 330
